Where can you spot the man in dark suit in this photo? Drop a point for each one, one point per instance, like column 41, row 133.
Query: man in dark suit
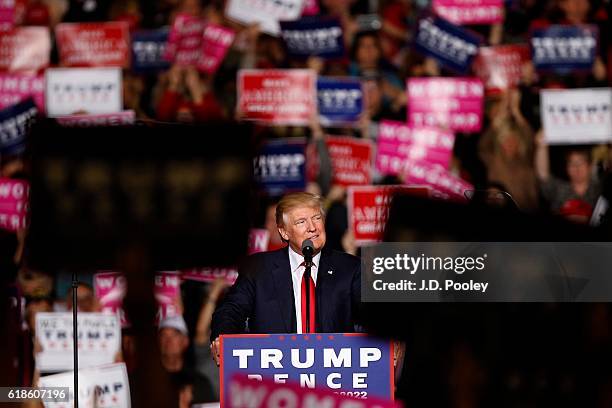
column 269, row 295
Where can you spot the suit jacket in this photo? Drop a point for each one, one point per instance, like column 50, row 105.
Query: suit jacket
column 263, row 295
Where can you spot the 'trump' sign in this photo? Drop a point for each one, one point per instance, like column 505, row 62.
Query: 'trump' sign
column 280, row 166
column 310, row 36
column 564, row 47
column 337, row 362
column 340, row 100
column 15, row 123
column 454, row 47
column 148, row 49
column 454, row 103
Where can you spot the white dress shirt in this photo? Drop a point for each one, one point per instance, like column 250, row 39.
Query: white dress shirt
column 297, row 274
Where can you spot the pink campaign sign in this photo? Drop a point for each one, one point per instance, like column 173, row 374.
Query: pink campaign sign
column 398, row 143
column 470, row 11
column 25, row 49
column 215, row 43
column 311, row 8
column 258, row 240
column 15, row 88
column 439, row 179
column 168, row 295
column 210, row 274
column 453, row 103
column 123, row 118
column 185, row 40
column 109, row 290
column 7, row 14
column 14, row 196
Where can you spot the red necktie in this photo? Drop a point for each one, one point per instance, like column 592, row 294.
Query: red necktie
column 312, row 305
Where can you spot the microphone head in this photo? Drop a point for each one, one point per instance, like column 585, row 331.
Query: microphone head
column 307, row 247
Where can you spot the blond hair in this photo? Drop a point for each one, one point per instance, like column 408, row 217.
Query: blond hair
column 295, row 200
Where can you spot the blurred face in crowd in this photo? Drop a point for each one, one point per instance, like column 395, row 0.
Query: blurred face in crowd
column 172, row 344
column 367, row 53
column 575, row 10
column 85, row 299
column 302, row 223
column 578, row 167
column 373, row 95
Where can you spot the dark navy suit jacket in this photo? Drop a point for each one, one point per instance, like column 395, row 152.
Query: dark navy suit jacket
column 263, row 295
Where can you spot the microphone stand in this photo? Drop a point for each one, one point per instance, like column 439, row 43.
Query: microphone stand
column 75, row 343
column 308, row 265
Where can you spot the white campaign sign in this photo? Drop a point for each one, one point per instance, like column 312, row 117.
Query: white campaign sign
column 83, row 90
column 104, row 386
column 99, row 339
column 265, row 12
column 577, row 116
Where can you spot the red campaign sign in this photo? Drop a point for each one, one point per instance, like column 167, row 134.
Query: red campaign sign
column 93, row 44
column 215, row 43
column 185, row 40
column 311, row 8
column 14, row 195
column 277, row 96
column 25, row 49
column 123, row 118
column 210, row 274
column 500, row 67
column 470, row 11
column 15, row 88
column 268, row 393
column 351, row 160
column 368, row 209
column 445, row 184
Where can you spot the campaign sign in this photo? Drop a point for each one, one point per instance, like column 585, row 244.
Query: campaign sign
column 148, row 49
column 438, row 178
column 103, row 386
column 564, row 48
column 340, row 100
column 258, row 240
column 123, row 118
column 83, row 90
column 7, row 14
column 245, row 392
column 277, row 96
column 216, row 41
column 167, row 291
column 267, row 13
column 15, row 123
column 453, row 103
column 110, row 289
column 500, row 67
column 15, row 88
column 93, row 44
column 210, row 274
column 470, row 11
column 280, row 166
column 368, row 209
column 452, row 46
column 398, row 143
column 25, row 49
column 14, row 195
column 313, row 37
column 577, row 115
column 311, row 8
column 353, row 363
column 351, row 160
column 185, row 40
column 99, row 340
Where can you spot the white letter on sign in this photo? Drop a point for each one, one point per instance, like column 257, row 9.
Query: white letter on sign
column 330, row 381
column 342, row 359
column 243, row 357
column 368, row 355
column 271, row 356
column 282, row 398
column 295, row 358
column 359, row 380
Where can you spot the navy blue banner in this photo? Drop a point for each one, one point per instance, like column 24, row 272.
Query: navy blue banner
column 148, row 50
column 15, row 122
column 340, row 100
column 564, row 48
column 353, row 363
column 281, row 166
column 313, row 36
column 454, row 47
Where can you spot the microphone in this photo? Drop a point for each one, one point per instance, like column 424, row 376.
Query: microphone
column 307, row 251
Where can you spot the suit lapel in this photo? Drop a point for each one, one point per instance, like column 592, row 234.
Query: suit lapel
column 323, row 289
column 284, row 290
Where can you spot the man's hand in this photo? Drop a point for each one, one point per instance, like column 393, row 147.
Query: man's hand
column 214, row 350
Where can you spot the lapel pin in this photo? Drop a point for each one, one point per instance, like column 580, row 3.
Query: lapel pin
column 330, row 272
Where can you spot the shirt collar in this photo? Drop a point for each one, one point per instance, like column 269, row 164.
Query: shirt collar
column 296, row 259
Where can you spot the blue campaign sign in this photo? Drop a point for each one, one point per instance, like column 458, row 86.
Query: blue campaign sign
column 280, row 166
column 148, row 50
column 340, row 100
column 15, row 122
column 564, row 48
column 313, row 36
column 351, row 363
column 454, row 47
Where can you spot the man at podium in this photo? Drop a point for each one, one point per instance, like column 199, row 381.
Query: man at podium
column 270, row 294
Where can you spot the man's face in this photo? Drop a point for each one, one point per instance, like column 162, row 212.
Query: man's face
column 578, row 168
column 303, row 223
column 172, row 342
